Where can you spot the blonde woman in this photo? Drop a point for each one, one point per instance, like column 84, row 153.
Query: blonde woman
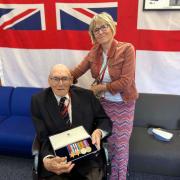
column 112, row 65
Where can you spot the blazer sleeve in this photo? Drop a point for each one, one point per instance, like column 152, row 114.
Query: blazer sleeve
column 40, row 127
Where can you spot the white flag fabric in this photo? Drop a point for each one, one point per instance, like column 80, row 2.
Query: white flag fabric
column 30, row 67
column 158, row 72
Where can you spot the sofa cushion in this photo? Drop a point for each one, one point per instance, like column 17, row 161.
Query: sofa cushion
column 2, row 118
column 5, row 98
column 16, row 135
column 21, row 99
column 152, row 156
column 158, row 110
column 17, row 131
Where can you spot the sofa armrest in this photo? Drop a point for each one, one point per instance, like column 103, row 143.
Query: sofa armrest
column 35, row 153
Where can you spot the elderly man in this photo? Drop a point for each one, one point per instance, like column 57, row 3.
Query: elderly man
column 83, row 109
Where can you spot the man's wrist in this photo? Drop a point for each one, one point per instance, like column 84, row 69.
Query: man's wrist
column 48, row 156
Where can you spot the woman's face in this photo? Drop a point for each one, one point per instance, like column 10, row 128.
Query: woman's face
column 103, row 32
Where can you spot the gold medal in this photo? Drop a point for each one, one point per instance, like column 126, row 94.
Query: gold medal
column 88, row 149
column 72, row 155
column 87, row 146
column 82, row 147
column 83, row 151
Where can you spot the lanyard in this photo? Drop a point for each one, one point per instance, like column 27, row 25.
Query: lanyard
column 102, row 73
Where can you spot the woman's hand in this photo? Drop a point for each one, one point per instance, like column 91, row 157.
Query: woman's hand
column 98, row 88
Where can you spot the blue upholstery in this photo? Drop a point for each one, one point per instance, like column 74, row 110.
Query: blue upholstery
column 5, row 97
column 17, row 131
column 21, row 100
column 16, row 136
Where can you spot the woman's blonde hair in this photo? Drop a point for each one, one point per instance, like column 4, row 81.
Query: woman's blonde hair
column 101, row 17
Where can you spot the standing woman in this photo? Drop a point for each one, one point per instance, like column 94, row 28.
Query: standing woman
column 112, row 65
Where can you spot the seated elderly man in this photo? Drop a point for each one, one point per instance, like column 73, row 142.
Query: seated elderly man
column 83, row 109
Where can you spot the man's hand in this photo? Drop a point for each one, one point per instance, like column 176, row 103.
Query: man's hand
column 58, row 165
column 96, row 138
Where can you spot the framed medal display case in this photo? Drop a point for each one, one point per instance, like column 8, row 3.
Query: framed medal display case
column 149, row 5
column 75, row 144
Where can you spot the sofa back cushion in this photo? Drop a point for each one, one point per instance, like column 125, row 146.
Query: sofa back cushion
column 21, row 100
column 5, row 98
column 158, row 110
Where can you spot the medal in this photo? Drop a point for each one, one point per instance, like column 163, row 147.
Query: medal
column 76, row 149
column 83, row 149
column 88, row 148
column 70, row 151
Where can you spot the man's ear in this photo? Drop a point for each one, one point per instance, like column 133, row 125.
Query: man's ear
column 71, row 80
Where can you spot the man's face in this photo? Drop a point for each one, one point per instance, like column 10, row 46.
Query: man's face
column 60, row 81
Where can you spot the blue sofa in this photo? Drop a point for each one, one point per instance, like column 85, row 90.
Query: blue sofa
column 16, row 127
column 5, row 97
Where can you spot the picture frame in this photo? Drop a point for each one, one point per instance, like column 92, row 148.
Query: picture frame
column 152, row 5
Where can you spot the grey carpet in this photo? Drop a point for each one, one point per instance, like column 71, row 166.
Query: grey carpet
column 14, row 168
column 141, row 176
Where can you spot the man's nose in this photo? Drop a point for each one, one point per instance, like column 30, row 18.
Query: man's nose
column 60, row 82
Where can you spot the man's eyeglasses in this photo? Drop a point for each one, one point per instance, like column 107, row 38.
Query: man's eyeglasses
column 56, row 80
column 103, row 28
